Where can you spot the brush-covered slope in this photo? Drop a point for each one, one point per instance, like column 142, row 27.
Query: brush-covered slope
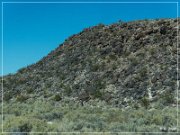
column 116, row 63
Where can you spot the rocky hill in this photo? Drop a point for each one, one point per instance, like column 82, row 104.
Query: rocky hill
column 114, row 78
column 117, row 63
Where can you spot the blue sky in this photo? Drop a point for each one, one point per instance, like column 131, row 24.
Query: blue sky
column 31, row 31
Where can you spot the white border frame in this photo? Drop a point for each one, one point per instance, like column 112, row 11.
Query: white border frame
column 2, row 72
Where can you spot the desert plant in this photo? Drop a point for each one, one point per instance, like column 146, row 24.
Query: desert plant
column 67, row 90
column 29, row 90
column 152, row 50
column 7, row 96
column 145, row 102
column 21, row 98
column 57, row 97
column 22, row 70
column 25, row 124
column 167, row 98
column 134, row 61
column 97, row 94
column 143, row 71
column 112, row 57
column 95, row 67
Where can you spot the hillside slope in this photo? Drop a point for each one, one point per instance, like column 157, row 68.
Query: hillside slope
column 113, row 63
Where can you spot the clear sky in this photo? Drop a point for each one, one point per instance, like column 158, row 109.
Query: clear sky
column 31, row 31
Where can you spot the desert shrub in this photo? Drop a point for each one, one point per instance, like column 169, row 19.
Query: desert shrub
column 145, row 102
column 61, row 75
column 100, row 25
column 100, row 84
column 21, row 98
column 141, row 55
column 97, row 94
column 48, row 84
column 96, row 124
column 167, row 121
column 114, row 66
column 7, row 96
column 95, row 67
column 6, row 83
column 24, row 124
column 78, row 126
column 157, row 119
column 152, row 50
column 67, row 90
column 52, row 115
column 21, row 80
column 102, row 66
column 121, row 127
column 133, row 60
column 29, row 90
column 20, row 125
column 76, row 86
column 126, row 53
column 47, row 93
column 57, row 97
column 143, row 71
column 40, row 106
column 22, row 70
column 167, row 98
column 112, row 57
column 136, row 106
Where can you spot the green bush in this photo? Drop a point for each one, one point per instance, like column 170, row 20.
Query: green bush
column 57, row 97
column 152, row 50
column 67, row 90
column 167, row 98
column 145, row 102
column 157, row 119
column 25, row 124
column 114, row 66
column 21, row 80
column 29, row 90
column 22, row 70
column 112, row 57
column 143, row 71
column 134, row 61
column 21, row 98
column 97, row 94
column 95, row 68
column 7, row 96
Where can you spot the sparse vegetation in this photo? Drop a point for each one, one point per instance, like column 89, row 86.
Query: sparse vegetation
column 95, row 81
column 45, row 117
